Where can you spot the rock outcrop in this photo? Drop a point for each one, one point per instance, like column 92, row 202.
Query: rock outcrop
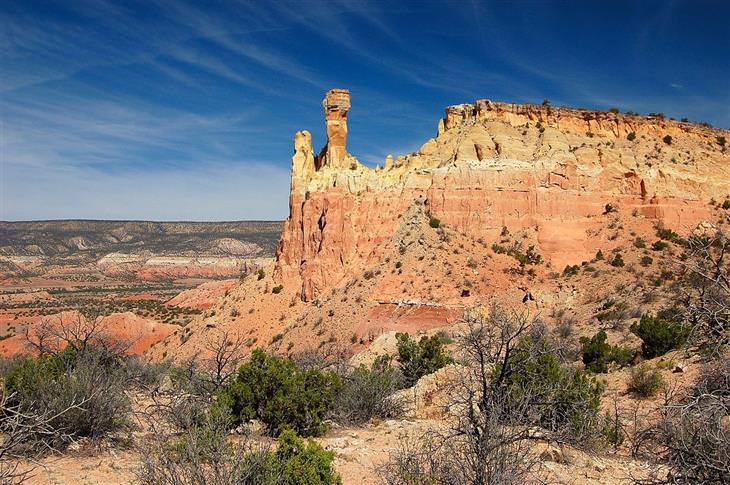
column 336, row 104
column 551, row 171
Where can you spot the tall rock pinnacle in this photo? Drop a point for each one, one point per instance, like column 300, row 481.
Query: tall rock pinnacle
column 336, row 104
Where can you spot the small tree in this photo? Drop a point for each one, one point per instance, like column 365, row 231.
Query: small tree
column 281, row 395
column 426, row 356
column 659, row 335
column 667, row 139
column 598, row 353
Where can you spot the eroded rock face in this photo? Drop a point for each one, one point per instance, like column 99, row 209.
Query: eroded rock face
column 336, row 104
column 494, row 165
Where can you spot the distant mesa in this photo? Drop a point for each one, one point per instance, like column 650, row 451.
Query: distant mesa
column 550, row 170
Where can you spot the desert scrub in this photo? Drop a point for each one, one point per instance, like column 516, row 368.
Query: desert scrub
column 204, row 455
column 644, row 380
column 426, row 356
column 368, row 393
column 531, row 256
column 83, row 389
column 618, row 261
column 598, row 353
column 659, row 334
column 281, row 395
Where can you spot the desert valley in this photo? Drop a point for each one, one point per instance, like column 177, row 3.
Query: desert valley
column 135, row 272
column 538, row 294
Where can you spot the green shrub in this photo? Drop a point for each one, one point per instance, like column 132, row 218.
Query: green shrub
column 539, row 390
column 423, row 357
column 281, row 395
column 646, row 261
column 277, row 289
column 571, row 270
column 659, row 246
column 260, row 274
column 618, row 261
column 644, row 381
column 667, row 139
column 631, row 136
column 598, row 353
column 434, row 223
column 367, row 393
column 726, row 204
column 302, row 462
column 530, row 257
column 83, row 390
column 721, row 141
column 667, row 234
column 639, row 243
column 659, row 335
column 204, row 455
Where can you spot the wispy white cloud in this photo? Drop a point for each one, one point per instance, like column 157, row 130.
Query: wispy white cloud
column 74, row 132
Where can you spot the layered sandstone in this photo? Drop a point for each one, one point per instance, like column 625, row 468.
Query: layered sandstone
column 493, row 165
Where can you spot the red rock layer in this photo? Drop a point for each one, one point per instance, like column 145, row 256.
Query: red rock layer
column 495, row 165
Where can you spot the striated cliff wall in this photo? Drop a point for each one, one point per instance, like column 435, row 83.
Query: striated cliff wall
column 550, row 171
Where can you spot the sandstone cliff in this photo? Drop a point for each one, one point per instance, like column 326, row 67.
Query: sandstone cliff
column 549, row 171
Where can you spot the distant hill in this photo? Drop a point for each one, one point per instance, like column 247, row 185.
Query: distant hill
column 94, row 238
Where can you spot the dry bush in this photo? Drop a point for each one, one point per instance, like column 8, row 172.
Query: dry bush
column 369, row 393
column 694, row 431
column 76, row 362
column 85, row 329
column 511, row 390
column 20, row 430
column 644, row 381
column 202, row 455
column 332, row 356
column 203, row 451
column 705, row 290
column 204, row 376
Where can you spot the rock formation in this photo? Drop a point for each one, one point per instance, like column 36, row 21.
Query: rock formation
column 492, row 165
column 336, row 104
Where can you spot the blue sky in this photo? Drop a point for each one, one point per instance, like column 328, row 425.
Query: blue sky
column 172, row 110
